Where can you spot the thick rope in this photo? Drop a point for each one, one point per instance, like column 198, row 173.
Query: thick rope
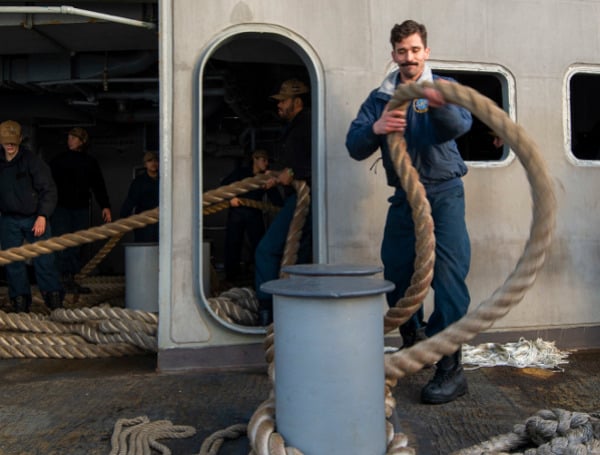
column 224, row 193
column 116, row 329
column 79, row 333
column 90, row 235
column 124, row 225
column 292, row 243
column 548, row 432
column 99, row 257
column 213, row 443
column 264, row 206
column 241, row 306
column 139, row 436
column 261, row 429
column 424, row 234
column 523, row 276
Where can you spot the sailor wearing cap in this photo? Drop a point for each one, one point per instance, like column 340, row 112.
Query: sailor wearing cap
column 27, row 199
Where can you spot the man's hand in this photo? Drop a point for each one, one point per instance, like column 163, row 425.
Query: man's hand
column 434, row 96
column 235, row 202
column 286, row 176
column 39, row 227
column 390, row 122
column 106, row 215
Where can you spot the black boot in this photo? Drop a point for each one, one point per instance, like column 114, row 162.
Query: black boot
column 73, row 287
column 21, row 303
column 54, row 299
column 265, row 312
column 411, row 335
column 448, row 383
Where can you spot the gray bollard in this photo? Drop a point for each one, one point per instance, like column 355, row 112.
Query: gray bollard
column 331, row 270
column 329, row 367
column 141, row 276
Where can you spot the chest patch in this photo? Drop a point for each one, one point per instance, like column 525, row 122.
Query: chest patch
column 420, row 105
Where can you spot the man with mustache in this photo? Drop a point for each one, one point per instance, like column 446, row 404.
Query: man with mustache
column 430, row 126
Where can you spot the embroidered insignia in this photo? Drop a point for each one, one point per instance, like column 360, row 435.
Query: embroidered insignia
column 420, row 105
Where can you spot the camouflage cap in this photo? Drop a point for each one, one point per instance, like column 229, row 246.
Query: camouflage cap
column 260, row 153
column 150, row 156
column 10, row 132
column 80, row 133
column 290, row 89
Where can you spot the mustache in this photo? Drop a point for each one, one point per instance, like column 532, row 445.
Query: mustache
column 409, row 64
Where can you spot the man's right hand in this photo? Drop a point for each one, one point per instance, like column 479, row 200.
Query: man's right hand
column 393, row 121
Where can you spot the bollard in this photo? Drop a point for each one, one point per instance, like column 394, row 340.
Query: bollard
column 331, row 270
column 141, row 276
column 329, row 367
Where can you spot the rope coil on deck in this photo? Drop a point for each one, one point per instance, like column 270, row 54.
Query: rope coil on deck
column 555, row 431
column 140, row 436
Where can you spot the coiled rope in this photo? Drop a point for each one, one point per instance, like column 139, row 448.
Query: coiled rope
column 139, row 436
column 548, row 432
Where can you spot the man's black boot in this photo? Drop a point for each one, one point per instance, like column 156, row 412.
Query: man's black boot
column 21, row 303
column 448, row 382
column 72, row 286
column 265, row 318
column 265, row 312
column 54, row 299
column 411, row 335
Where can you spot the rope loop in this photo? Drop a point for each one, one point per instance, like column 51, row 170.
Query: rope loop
column 523, row 276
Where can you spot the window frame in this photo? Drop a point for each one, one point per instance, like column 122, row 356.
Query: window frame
column 567, row 124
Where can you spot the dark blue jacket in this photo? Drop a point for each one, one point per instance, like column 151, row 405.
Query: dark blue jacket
column 429, row 135
column 26, row 185
column 142, row 195
column 76, row 174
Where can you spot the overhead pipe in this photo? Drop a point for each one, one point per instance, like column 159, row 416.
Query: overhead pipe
column 64, row 9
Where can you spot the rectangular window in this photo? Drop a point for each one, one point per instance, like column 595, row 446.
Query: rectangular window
column 481, row 144
column 584, row 114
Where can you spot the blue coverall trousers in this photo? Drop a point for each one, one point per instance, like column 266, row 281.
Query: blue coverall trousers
column 13, row 231
column 65, row 221
column 269, row 252
column 452, row 256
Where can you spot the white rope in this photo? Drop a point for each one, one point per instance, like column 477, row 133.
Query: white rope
column 522, row 354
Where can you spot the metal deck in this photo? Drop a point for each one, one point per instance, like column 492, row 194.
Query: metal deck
column 71, row 406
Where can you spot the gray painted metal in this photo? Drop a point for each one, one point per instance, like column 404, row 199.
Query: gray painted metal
column 332, row 269
column 329, row 366
column 141, row 276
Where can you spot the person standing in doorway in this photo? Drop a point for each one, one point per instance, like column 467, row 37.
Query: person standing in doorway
column 77, row 174
column 27, row 199
column 430, row 127
column 294, row 162
column 142, row 196
column 243, row 221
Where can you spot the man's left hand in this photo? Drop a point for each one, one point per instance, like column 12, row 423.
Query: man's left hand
column 106, row 215
column 39, row 227
column 434, row 96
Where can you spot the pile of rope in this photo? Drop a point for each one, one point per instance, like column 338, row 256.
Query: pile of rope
column 139, row 436
column 101, row 331
column 549, row 432
column 522, row 354
column 236, row 306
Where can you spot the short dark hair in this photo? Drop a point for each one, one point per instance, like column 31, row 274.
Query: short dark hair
column 407, row 28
